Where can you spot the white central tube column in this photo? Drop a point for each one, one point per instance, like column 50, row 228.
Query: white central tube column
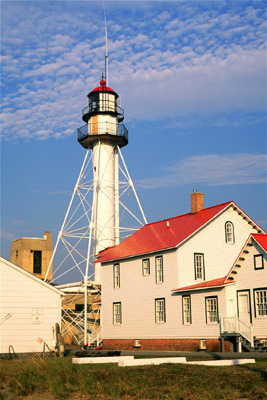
column 104, row 232
column 116, row 196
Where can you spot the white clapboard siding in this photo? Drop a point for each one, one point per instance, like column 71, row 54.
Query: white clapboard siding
column 21, row 294
column 137, row 293
column 218, row 255
column 247, row 278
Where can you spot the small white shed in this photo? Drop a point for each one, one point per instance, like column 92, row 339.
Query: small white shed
column 29, row 310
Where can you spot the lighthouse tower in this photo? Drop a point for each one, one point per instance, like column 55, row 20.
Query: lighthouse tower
column 93, row 222
column 104, row 133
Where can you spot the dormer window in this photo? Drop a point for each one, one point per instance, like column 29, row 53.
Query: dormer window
column 229, row 233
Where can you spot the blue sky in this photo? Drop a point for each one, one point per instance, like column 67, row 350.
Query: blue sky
column 191, row 77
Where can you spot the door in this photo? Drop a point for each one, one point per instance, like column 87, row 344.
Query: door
column 244, row 307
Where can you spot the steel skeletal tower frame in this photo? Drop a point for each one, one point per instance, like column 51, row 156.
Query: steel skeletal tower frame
column 93, row 221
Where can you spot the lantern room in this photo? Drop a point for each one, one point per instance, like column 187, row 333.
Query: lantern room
column 103, row 118
column 103, row 100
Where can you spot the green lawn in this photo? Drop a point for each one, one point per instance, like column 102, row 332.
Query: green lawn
column 60, row 379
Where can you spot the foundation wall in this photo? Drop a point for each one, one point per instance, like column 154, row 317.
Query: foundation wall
column 213, row 345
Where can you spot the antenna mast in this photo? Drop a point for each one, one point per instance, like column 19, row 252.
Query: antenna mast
column 106, row 56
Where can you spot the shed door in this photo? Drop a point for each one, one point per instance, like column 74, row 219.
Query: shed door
column 244, row 307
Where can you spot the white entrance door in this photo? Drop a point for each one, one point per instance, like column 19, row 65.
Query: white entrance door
column 244, row 307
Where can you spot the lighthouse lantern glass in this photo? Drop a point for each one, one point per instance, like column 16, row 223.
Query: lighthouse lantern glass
column 94, row 102
column 107, row 102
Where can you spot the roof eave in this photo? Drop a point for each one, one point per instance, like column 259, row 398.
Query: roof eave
column 203, row 288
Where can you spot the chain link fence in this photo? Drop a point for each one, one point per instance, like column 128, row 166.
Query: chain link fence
column 26, row 356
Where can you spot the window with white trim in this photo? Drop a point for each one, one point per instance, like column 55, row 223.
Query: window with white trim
column 186, row 300
column 146, row 267
column 260, row 298
column 199, row 267
column 229, row 232
column 212, row 315
column 117, row 314
column 258, row 261
column 159, row 269
column 116, row 276
column 160, row 311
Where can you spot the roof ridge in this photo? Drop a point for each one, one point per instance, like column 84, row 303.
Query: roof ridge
column 189, row 213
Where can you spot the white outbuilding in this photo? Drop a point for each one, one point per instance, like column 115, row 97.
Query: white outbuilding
column 29, row 310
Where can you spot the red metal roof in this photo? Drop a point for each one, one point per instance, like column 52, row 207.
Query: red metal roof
column 203, row 285
column 103, row 87
column 261, row 239
column 159, row 236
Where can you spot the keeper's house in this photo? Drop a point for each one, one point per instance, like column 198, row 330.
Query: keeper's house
column 29, row 310
column 196, row 281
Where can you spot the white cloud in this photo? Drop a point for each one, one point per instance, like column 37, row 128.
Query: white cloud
column 212, row 170
column 185, row 59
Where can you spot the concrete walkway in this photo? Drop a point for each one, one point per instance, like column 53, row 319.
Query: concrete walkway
column 200, row 354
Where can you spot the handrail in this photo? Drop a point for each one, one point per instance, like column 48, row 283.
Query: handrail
column 95, row 336
column 102, row 128
column 9, row 351
column 234, row 324
column 102, row 106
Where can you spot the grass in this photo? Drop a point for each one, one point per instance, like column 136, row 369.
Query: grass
column 60, row 379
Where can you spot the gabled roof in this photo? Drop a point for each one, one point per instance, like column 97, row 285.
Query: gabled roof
column 31, row 276
column 261, row 239
column 166, row 234
column 214, row 283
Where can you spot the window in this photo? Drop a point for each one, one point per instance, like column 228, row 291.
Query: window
column 212, row 310
column 199, row 266
column 258, row 261
column 160, row 311
column 117, row 314
column 229, row 233
column 146, row 267
column 37, row 262
column 260, row 299
column 159, row 269
column 116, row 276
column 94, row 102
column 186, row 300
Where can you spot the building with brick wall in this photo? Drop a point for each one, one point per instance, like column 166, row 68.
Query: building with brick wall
column 33, row 254
column 168, row 286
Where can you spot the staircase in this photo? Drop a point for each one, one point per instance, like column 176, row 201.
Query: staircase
column 235, row 329
column 95, row 339
column 260, row 345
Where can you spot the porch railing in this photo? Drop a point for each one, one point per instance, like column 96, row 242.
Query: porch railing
column 235, row 325
column 95, row 336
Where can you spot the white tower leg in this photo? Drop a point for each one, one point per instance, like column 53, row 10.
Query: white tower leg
column 74, row 251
